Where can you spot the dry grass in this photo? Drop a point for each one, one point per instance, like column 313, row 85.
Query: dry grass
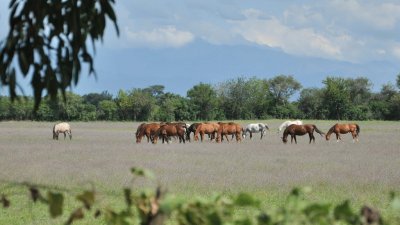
column 103, row 152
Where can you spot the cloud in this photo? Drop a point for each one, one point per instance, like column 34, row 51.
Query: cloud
column 273, row 33
column 167, row 36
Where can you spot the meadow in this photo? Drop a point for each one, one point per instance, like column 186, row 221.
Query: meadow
column 102, row 153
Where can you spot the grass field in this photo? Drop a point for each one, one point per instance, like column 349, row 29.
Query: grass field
column 101, row 153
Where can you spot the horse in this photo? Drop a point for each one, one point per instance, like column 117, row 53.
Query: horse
column 140, row 127
column 285, row 124
column 170, row 130
column 255, row 128
column 147, row 130
column 64, row 128
column 229, row 128
column 206, row 128
column 338, row 129
column 295, row 129
column 191, row 129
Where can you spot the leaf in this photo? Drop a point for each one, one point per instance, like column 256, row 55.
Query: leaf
column 142, row 173
column 55, row 201
column 35, row 194
column 87, row 198
column 76, row 215
column 244, row 199
column 5, row 201
column 23, row 62
column 344, row 212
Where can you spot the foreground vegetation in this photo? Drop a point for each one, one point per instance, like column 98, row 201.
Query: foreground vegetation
column 157, row 207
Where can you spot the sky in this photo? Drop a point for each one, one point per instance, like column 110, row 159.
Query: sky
column 179, row 44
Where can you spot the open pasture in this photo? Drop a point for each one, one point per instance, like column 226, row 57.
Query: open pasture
column 103, row 152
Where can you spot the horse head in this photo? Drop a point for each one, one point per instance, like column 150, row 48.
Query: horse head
column 284, row 139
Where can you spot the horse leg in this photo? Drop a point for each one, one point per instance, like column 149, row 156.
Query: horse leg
column 337, row 137
column 295, row 139
column 251, row 135
column 262, row 133
column 70, row 135
column 65, row 135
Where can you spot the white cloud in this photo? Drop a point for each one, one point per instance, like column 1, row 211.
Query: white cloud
column 167, row 36
column 298, row 41
column 379, row 15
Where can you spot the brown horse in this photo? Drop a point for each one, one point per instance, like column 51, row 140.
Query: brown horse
column 170, row 130
column 295, row 129
column 206, row 128
column 230, row 128
column 338, row 129
column 147, row 130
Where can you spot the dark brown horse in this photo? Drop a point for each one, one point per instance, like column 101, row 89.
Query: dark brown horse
column 230, row 128
column 206, row 128
column 338, row 129
column 191, row 129
column 147, row 130
column 295, row 129
column 170, row 130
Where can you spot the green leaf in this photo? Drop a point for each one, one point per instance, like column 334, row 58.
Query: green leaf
column 345, row 213
column 55, row 201
column 142, row 173
column 244, row 199
column 87, row 198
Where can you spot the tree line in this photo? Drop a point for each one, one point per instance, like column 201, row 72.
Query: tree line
column 235, row 99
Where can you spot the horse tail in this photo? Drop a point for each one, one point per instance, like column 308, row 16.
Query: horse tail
column 358, row 129
column 318, row 131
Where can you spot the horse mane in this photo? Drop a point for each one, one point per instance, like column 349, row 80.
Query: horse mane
column 358, row 129
column 331, row 130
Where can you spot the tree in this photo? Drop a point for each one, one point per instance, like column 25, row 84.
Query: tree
column 96, row 98
column 49, row 40
column 398, row 81
column 310, row 103
column 107, row 110
column 203, row 99
column 336, row 97
column 360, row 90
column 282, row 87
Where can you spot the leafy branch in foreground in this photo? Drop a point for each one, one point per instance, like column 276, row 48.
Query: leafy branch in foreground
column 156, row 208
column 48, row 39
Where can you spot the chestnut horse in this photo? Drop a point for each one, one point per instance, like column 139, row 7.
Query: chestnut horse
column 295, row 129
column 170, row 130
column 338, row 129
column 147, row 130
column 206, row 128
column 229, row 128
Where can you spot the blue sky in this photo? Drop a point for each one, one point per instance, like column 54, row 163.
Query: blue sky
column 181, row 43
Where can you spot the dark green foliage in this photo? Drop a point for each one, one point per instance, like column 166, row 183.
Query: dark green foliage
column 48, row 40
column 241, row 98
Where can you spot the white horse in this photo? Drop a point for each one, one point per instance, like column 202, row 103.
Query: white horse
column 255, row 128
column 64, row 128
column 288, row 123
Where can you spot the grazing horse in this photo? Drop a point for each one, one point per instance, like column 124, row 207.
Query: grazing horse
column 140, row 127
column 338, row 129
column 206, row 128
column 295, row 129
column 288, row 123
column 170, row 130
column 255, row 128
column 147, row 130
column 191, row 129
column 64, row 128
column 229, row 129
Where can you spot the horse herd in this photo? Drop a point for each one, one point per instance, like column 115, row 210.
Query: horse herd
column 217, row 131
column 220, row 131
